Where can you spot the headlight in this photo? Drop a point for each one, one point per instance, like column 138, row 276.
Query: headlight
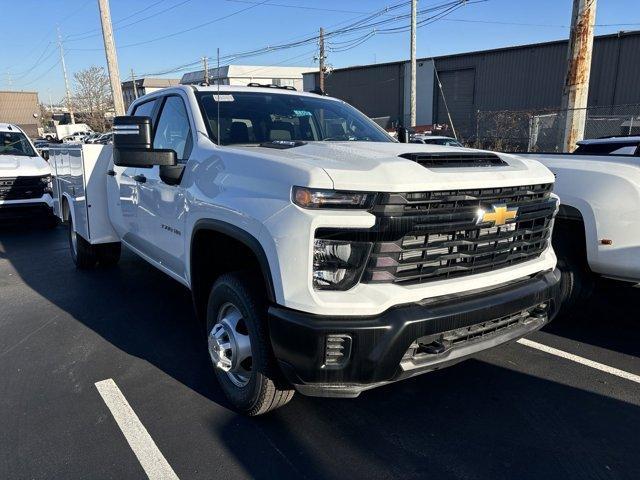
column 338, row 265
column 46, row 181
column 318, row 198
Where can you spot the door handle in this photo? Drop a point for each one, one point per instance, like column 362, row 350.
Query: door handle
column 140, row 178
column 111, row 173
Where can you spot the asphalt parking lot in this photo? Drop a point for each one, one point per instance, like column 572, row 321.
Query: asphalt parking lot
column 514, row 412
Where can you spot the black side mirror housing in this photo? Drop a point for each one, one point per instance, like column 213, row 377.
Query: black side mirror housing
column 133, row 147
column 403, row 134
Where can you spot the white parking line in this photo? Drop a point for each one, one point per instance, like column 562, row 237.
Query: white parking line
column 584, row 361
column 149, row 456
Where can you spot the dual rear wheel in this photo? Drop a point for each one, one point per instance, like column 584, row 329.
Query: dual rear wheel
column 87, row 256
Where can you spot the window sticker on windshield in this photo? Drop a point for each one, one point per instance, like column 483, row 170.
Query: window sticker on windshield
column 302, row 113
column 223, row 98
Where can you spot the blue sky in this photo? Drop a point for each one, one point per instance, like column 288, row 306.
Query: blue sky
column 30, row 59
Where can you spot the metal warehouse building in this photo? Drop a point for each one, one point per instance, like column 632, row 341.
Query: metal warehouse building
column 527, row 77
column 22, row 109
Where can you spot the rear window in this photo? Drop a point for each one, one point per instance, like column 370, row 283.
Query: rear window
column 15, row 143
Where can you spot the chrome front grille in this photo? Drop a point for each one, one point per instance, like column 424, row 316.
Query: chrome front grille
column 444, row 238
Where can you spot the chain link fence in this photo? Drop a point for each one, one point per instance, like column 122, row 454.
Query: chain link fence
column 542, row 130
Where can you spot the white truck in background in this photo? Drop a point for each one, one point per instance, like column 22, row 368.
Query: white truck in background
column 66, row 130
column 25, row 179
column 322, row 255
column 597, row 231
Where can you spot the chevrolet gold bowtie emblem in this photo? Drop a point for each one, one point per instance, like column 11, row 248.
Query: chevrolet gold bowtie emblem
column 498, row 215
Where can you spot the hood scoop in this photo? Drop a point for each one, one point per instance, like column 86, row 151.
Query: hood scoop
column 455, row 159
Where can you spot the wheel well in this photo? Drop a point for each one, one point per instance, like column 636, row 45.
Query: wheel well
column 214, row 253
column 569, row 235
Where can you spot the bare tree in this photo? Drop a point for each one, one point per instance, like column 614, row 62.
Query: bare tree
column 92, row 97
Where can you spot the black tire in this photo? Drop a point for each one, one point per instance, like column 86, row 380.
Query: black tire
column 82, row 252
column 577, row 281
column 266, row 390
column 109, row 254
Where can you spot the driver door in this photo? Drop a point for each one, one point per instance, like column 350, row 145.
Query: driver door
column 161, row 207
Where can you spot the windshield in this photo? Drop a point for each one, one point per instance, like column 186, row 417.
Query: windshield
column 258, row 117
column 15, row 143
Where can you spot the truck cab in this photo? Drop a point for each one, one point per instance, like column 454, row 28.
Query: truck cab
column 323, row 256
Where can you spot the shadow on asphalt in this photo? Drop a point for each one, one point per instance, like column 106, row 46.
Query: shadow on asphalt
column 473, row 420
column 610, row 319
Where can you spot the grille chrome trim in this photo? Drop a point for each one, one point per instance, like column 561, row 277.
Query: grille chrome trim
column 441, row 237
column 20, row 188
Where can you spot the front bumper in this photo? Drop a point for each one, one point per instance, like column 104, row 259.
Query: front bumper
column 20, row 210
column 406, row 340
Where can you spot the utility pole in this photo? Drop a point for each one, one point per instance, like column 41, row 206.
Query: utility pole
column 575, row 92
column 321, row 59
column 412, row 92
column 205, row 66
column 135, row 87
column 112, row 58
column 66, row 79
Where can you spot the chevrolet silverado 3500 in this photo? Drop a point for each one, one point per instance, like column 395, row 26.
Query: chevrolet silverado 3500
column 322, row 255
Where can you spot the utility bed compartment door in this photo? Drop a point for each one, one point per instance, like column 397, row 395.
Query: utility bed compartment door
column 81, row 177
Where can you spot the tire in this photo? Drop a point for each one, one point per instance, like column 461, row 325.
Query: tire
column 82, row 252
column 255, row 385
column 577, row 281
column 109, row 254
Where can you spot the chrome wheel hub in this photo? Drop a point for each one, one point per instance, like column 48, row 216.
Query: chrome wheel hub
column 230, row 345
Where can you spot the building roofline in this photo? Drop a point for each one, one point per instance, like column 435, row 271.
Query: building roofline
column 17, row 91
column 482, row 52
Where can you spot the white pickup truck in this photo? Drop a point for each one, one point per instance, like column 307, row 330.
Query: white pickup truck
column 597, row 232
column 25, row 178
column 323, row 256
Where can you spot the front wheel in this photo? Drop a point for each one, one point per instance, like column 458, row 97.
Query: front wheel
column 239, row 346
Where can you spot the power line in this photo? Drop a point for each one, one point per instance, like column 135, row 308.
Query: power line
column 364, row 23
column 135, row 22
column 174, row 34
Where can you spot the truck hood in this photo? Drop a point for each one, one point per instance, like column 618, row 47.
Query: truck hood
column 21, row 166
column 376, row 166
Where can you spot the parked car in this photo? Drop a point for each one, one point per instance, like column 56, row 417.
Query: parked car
column 104, row 139
column 618, row 145
column 435, row 140
column 25, row 178
column 323, row 256
column 75, row 137
column 92, row 137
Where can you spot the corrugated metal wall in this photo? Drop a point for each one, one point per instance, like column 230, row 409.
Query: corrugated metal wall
column 531, row 77
column 528, row 77
column 376, row 90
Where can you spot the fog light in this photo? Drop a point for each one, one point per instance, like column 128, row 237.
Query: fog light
column 337, row 350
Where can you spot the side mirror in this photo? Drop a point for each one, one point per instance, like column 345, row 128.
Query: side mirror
column 132, row 146
column 403, row 134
